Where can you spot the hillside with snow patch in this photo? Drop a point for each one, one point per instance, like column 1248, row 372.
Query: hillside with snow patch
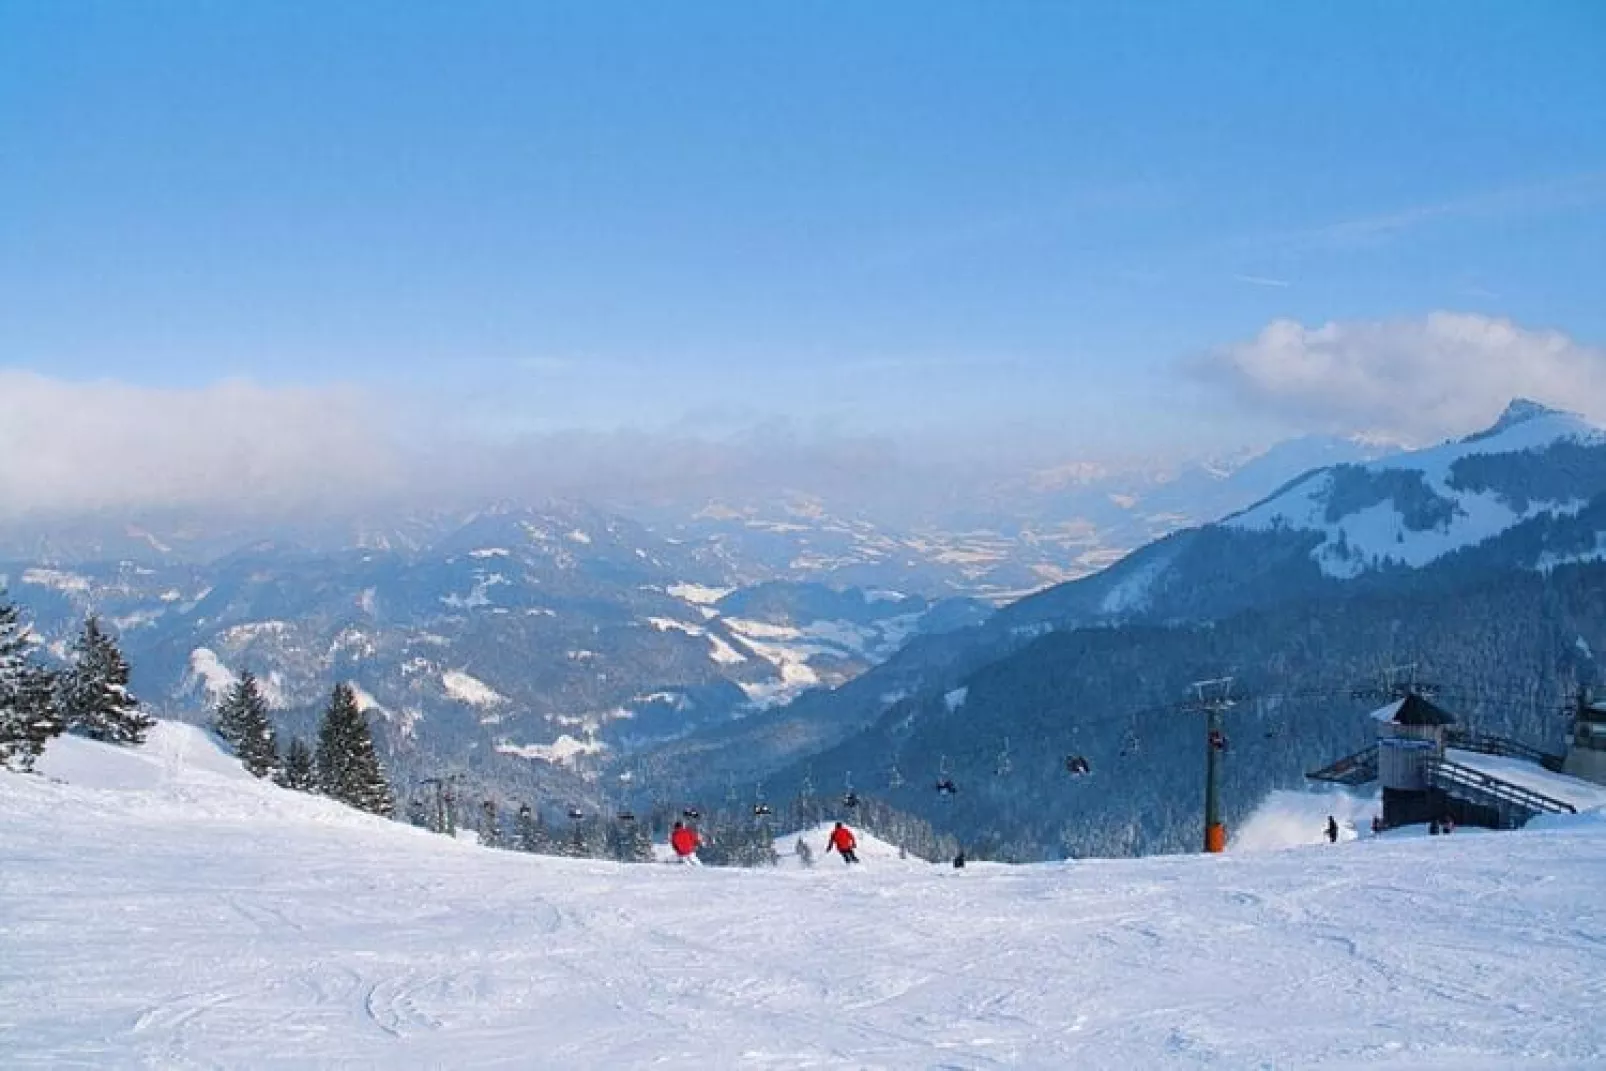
column 162, row 908
column 1413, row 508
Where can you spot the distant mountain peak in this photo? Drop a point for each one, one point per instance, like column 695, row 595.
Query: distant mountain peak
column 1520, row 411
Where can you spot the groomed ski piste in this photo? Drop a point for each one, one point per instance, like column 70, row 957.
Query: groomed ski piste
column 160, row 908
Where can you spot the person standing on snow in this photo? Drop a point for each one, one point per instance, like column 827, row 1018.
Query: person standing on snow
column 685, row 841
column 1332, row 830
column 842, row 840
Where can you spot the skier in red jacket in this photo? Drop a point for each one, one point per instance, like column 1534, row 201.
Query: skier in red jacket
column 842, row 840
column 685, row 841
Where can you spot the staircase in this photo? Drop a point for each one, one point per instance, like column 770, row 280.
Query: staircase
column 1351, row 770
column 1514, row 803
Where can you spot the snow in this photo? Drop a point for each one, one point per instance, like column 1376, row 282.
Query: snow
column 55, row 578
column 207, row 670
column 489, row 552
column 1550, row 560
column 565, row 749
column 722, row 652
column 366, row 701
column 1377, row 533
column 240, row 635
column 1583, row 795
column 1387, row 711
column 955, row 699
column 478, row 594
column 669, row 624
column 698, row 594
column 471, row 690
column 578, row 536
column 1132, row 592
column 162, row 908
column 1299, row 819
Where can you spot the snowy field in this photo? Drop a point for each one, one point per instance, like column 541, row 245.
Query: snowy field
column 159, row 909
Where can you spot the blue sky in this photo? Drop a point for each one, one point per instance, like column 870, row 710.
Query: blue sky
column 946, row 222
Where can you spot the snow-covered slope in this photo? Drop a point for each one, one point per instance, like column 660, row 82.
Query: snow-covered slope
column 160, row 909
column 1414, row 508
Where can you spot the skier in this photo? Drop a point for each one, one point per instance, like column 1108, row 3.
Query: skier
column 1448, row 825
column 1332, row 830
column 842, row 840
column 685, row 841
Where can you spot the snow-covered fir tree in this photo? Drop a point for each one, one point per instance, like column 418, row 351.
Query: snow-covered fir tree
column 93, row 692
column 491, row 826
column 242, row 721
column 348, row 766
column 532, row 832
column 299, row 771
column 29, row 714
column 628, row 842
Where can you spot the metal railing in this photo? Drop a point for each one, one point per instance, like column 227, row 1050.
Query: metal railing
column 1456, row 779
column 1356, row 769
column 1487, row 744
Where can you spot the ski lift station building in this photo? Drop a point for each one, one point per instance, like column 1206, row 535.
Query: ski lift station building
column 1430, row 768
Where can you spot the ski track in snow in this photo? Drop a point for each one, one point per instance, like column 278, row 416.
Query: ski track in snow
column 191, row 917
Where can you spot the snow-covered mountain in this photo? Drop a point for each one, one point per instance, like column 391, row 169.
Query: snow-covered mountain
column 162, row 908
column 1414, row 508
column 1493, row 556
column 519, row 638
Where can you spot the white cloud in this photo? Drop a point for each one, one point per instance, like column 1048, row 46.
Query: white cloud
column 1263, row 280
column 1445, row 374
column 71, row 447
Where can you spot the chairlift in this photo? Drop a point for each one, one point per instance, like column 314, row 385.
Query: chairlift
column 1218, row 740
column 946, row 787
column 761, row 810
column 1077, row 766
column 850, row 800
column 576, row 813
column 691, row 813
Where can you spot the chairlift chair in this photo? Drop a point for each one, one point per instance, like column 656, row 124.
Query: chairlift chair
column 1077, row 766
column 576, row 813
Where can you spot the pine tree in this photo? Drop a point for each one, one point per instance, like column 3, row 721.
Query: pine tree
column 299, row 772
column 29, row 713
column 491, row 826
column 348, row 766
column 242, row 721
column 533, row 835
column 94, row 695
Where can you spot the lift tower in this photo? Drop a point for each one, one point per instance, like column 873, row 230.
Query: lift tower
column 1212, row 698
